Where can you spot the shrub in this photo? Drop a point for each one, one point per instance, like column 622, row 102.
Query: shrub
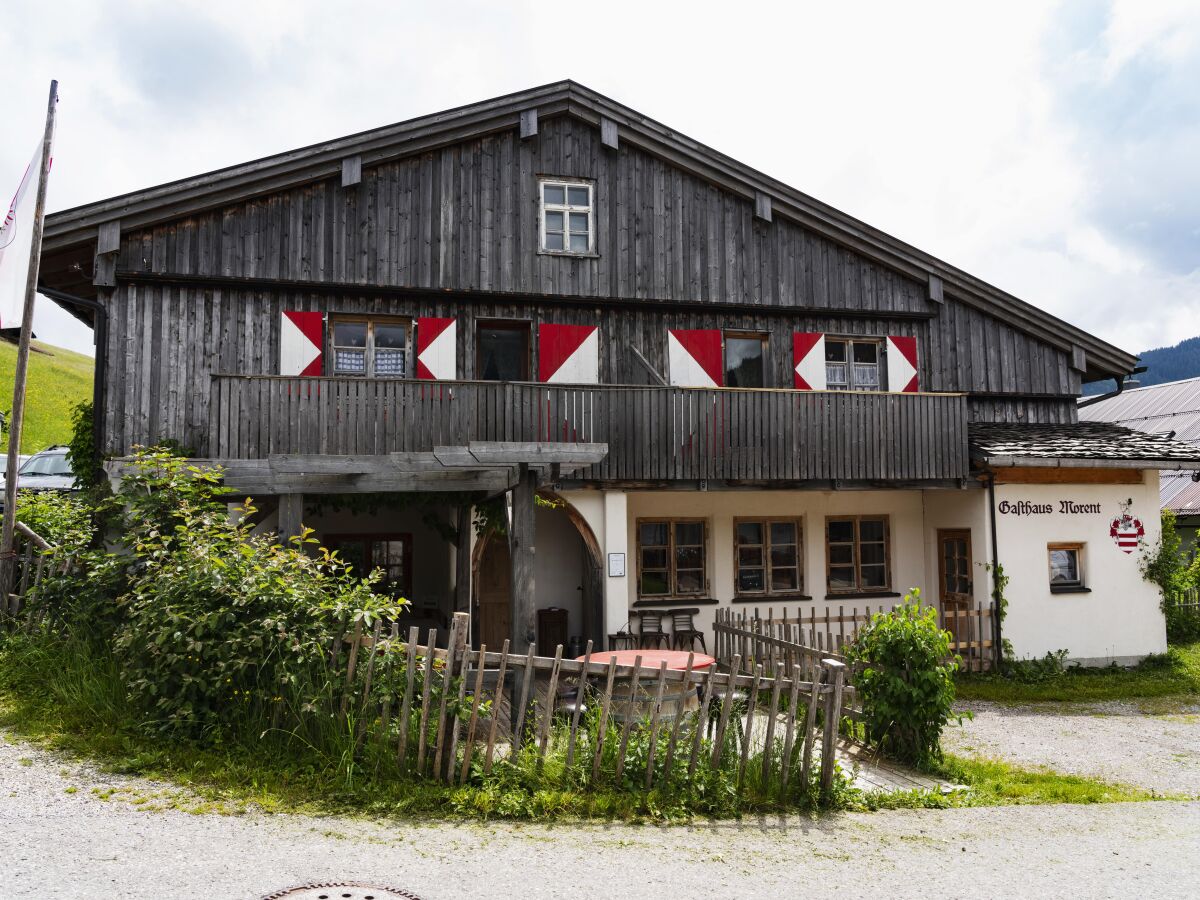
column 905, row 677
column 61, row 519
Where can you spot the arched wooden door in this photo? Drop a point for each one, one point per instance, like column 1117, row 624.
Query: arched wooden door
column 495, row 586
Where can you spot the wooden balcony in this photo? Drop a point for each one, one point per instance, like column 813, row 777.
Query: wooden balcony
column 654, row 434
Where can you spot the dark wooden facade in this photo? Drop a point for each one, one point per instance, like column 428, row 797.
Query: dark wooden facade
column 452, row 230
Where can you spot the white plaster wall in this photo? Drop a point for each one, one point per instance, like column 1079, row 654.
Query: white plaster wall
column 558, row 566
column 1120, row 618
column 958, row 510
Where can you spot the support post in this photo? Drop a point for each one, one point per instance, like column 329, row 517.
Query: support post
column 291, row 512
column 17, row 416
column 462, row 561
column 521, row 551
column 833, row 721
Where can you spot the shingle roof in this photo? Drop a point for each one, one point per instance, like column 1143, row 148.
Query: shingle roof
column 1008, row 444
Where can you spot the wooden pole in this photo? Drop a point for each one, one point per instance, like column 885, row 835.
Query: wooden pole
column 16, row 420
column 521, row 552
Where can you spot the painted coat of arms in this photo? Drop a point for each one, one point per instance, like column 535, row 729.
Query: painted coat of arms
column 1126, row 529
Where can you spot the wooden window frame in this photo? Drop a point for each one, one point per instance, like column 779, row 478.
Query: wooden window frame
column 369, row 349
column 849, row 341
column 1078, row 547
column 857, row 544
column 566, row 209
column 760, row 336
column 768, row 567
column 672, row 572
column 335, row 540
column 522, row 325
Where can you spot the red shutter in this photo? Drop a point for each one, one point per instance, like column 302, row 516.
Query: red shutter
column 301, row 343
column 694, row 357
column 808, row 360
column 902, row 365
column 569, row 354
column 437, row 349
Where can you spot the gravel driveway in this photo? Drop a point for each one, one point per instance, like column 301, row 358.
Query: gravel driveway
column 1112, row 740
column 56, row 842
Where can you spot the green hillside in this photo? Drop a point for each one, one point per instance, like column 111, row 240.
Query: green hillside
column 58, row 379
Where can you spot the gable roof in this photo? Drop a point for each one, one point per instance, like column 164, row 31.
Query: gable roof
column 77, row 228
column 1160, row 408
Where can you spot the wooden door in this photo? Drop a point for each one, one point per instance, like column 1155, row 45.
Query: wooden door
column 495, row 586
column 954, row 578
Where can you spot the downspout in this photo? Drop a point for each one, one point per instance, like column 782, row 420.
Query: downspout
column 100, row 335
column 997, row 616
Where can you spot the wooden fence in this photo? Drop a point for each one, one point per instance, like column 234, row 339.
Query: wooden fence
column 796, row 640
column 1185, row 601
column 33, row 558
column 511, row 704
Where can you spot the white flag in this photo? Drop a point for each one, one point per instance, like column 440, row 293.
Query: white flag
column 16, row 240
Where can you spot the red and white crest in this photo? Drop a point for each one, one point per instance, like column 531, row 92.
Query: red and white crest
column 301, row 335
column 569, row 354
column 437, row 349
column 1126, row 530
column 694, row 357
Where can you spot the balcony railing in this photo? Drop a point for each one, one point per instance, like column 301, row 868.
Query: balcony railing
column 653, row 433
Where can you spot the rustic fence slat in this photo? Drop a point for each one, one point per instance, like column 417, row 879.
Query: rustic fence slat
column 580, row 699
column 719, row 739
column 685, row 690
column 747, row 732
column 551, row 697
column 833, row 721
column 810, row 724
column 627, row 725
column 602, row 732
column 497, row 703
column 426, row 692
column 655, row 712
column 789, row 736
column 519, row 727
column 701, row 721
column 774, row 711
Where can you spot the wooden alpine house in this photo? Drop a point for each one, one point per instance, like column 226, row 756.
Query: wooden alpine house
column 548, row 361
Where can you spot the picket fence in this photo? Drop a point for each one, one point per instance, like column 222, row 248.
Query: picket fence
column 797, row 640
column 768, row 715
column 32, row 560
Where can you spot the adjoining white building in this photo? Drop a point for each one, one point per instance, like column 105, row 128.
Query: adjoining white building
column 727, row 393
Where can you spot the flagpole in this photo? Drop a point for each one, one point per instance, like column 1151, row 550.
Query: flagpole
column 16, row 419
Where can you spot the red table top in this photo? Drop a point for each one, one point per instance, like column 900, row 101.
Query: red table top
column 652, row 659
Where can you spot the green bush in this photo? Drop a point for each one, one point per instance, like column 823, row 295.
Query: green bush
column 905, row 677
column 61, row 519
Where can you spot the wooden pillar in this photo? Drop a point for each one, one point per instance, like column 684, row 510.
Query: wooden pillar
column 462, row 561
column 520, row 550
column 291, row 511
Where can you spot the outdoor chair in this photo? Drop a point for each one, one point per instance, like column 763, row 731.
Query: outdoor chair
column 622, row 640
column 684, row 632
column 651, row 633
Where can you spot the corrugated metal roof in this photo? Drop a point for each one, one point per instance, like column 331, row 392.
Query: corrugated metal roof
column 1180, row 494
column 1159, row 408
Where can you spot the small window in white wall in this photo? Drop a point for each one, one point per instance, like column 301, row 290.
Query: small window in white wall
column 568, row 216
column 1066, row 568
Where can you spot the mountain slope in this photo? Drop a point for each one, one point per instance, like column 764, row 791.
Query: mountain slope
column 58, row 379
column 1162, row 364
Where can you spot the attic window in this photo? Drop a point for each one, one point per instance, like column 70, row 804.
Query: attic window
column 568, row 216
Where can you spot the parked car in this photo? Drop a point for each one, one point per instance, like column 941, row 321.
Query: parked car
column 49, row 470
column 21, row 460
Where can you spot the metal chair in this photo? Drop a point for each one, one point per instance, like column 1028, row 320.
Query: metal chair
column 684, row 632
column 650, row 632
column 622, row 640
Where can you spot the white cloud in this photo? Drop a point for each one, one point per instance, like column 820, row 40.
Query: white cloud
column 1041, row 149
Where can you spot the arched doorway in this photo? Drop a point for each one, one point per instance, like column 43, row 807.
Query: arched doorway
column 567, row 576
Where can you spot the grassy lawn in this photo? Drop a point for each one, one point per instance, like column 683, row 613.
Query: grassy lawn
column 1177, row 672
column 58, row 379
column 83, row 712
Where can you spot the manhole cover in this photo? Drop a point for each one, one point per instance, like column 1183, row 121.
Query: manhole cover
column 340, row 890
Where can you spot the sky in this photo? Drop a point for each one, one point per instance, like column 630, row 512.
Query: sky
column 1052, row 150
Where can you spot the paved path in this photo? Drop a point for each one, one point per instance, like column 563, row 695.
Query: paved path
column 55, row 844
column 1115, row 741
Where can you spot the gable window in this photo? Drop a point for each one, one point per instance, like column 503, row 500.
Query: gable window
column 858, row 558
column 370, row 347
column 502, row 351
column 671, row 558
column 768, row 556
column 1066, row 567
column 745, row 360
column 367, row 552
column 568, row 216
column 852, row 365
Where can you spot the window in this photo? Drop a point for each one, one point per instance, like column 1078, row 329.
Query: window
column 857, row 554
column 502, row 351
column 1066, row 566
column 768, row 556
column 745, row 356
column 375, row 348
column 567, row 217
column 367, row 552
column 671, row 558
column 851, row 365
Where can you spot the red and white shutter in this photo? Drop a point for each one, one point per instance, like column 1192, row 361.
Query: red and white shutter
column 437, row 349
column 569, row 354
column 902, row 365
column 808, row 360
column 694, row 357
column 301, row 343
